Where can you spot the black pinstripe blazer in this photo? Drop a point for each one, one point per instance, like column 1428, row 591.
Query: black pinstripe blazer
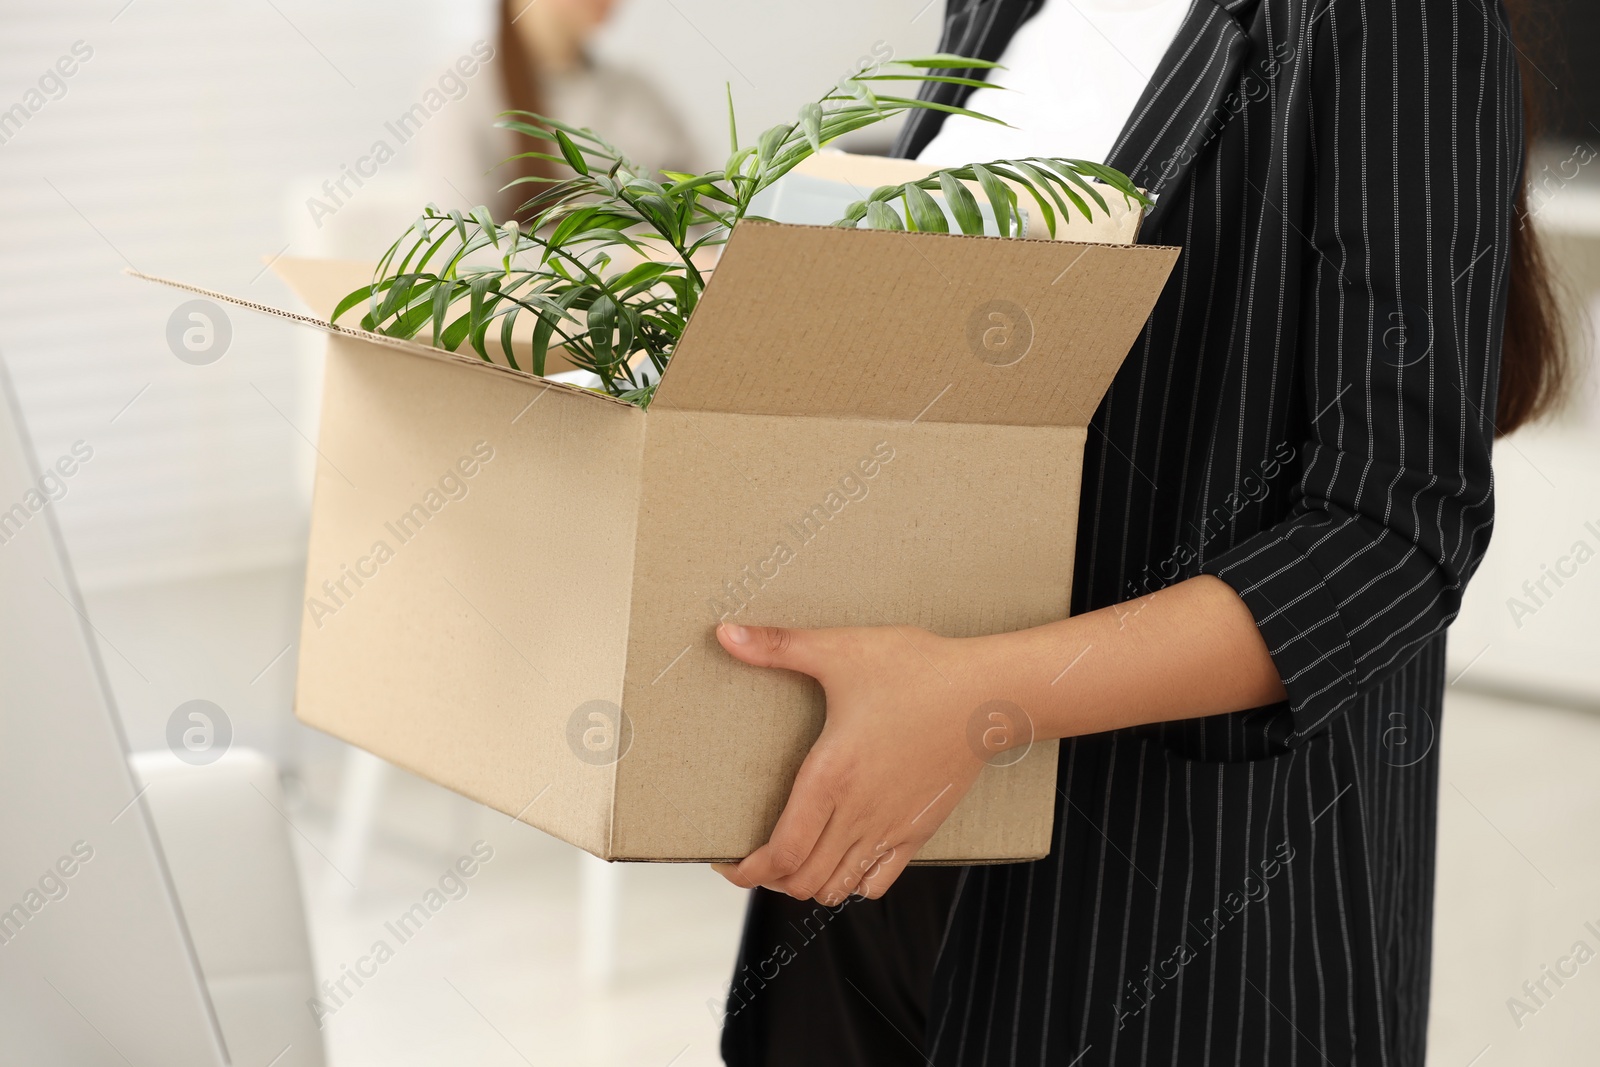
column 1308, row 416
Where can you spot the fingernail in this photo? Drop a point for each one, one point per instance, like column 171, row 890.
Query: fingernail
column 739, row 635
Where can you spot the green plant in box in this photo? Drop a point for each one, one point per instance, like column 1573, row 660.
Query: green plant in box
column 560, row 263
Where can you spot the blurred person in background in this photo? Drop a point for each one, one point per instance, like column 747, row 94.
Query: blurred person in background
column 543, row 64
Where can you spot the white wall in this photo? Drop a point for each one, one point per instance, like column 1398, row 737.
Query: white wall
column 184, row 146
column 1531, row 616
column 774, row 56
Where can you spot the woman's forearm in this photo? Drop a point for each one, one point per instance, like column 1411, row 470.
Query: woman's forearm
column 1187, row 651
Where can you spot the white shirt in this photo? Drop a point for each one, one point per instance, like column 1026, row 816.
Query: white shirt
column 1074, row 73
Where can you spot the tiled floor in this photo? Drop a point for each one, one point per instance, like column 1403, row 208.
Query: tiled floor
column 492, row 977
column 1519, row 877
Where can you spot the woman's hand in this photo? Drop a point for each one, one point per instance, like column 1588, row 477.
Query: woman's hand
column 892, row 762
column 912, row 717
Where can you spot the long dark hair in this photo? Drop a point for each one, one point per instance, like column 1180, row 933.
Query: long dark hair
column 1535, row 358
column 520, row 80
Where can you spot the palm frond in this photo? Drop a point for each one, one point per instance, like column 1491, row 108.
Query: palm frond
column 1058, row 188
column 468, row 280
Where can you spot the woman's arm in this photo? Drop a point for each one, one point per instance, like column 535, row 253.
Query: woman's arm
column 1402, row 263
column 912, row 717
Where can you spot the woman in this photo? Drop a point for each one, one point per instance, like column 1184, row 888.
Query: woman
column 544, row 65
column 1285, row 492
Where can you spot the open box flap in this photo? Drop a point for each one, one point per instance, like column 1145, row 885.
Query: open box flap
column 322, row 283
column 812, row 320
column 409, row 347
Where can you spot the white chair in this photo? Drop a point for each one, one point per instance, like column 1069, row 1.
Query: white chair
column 226, row 841
column 599, row 883
column 361, row 230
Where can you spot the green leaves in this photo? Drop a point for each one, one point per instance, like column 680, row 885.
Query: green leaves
column 881, row 216
column 963, row 205
column 608, row 261
column 1054, row 185
column 946, row 61
column 1001, row 198
column 570, row 153
column 350, row 301
column 811, row 123
column 922, row 211
column 770, row 141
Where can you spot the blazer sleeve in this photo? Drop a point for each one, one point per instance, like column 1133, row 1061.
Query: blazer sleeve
column 1414, row 154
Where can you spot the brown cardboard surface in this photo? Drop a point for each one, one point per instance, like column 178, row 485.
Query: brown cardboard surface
column 578, row 566
column 462, row 656
column 322, row 283
column 886, row 325
column 936, row 538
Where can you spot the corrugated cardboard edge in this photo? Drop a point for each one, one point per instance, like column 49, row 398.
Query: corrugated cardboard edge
column 412, row 348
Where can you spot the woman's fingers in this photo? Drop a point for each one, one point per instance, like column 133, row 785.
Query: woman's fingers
column 810, row 802
column 805, row 816
column 860, row 862
column 864, row 871
column 833, row 837
column 774, row 646
column 813, row 876
column 885, row 870
column 730, row 871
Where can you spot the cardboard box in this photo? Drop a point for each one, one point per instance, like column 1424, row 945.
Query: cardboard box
column 513, row 584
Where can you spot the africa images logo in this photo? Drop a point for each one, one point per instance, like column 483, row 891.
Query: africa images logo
column 199, row 732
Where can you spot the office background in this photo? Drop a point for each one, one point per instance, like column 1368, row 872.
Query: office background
column 188, row 142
